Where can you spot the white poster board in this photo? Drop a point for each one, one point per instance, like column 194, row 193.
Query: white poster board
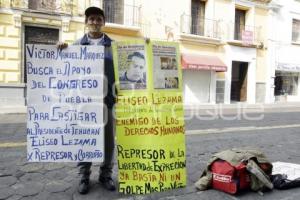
column 292, row 170
column 65, row 103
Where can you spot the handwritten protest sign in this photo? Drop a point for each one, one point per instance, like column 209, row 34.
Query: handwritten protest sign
column 149, row 117
column 65, row 103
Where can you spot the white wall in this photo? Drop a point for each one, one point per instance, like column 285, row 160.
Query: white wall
column 270, row 75
column 280, row 47
column 164, row 13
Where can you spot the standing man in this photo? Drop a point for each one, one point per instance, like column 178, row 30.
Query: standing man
column 94, row 21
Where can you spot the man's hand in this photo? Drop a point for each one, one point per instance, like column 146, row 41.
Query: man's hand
column 61, row 45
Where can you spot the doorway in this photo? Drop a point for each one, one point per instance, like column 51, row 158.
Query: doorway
column 239, row 76
column 39, row 35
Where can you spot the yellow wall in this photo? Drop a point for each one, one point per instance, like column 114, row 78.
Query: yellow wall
column 202, row 49
column 222, row 9
column 11, row 43
column 10, row 50
column 261, row 20
column 76, row 30
column 261, row 66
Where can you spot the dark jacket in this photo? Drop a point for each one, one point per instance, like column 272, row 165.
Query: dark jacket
column 109, row 100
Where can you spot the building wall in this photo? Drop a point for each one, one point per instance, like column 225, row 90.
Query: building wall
column 281, row 49
column 10, row 50
column 12, row 90
column 254, row 55
column 158, row 20
column 261, row 21
column 243, row 55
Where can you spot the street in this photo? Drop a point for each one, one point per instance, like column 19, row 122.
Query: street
column 275, row 133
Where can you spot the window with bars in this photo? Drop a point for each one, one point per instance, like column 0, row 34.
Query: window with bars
column 114, row 11
column 42, row 4
column 240, row 22
column 286, row 83
column 39, row 35
column 220, row 91
column 198, row 17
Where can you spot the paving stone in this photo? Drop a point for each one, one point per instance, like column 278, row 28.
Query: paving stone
column 5, row 193
column 71, row 165
column 14, row 197
column 21, row 161
column 72, row 174
column 2, row 173
column 35, row 177
column 71, row 179
column 18, row 174
column 7, row 181
column 53, row 166
column 168, row 198
column 30, row 198
column 96, row 192
column 140, row 197
column 32, row 167
column 44, row 195
column 56, row 174
column 9, row 171
column 60, row 196
column 72, row 171
column 57, row 186
column 72, row 189
column 6, row 160
column 28, row 188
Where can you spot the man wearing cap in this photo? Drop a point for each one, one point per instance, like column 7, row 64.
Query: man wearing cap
column 94, row 21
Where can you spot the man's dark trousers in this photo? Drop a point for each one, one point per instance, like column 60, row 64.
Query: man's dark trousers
column 109, row 144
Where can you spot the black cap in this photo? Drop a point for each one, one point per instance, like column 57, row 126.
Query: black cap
column 94, row 11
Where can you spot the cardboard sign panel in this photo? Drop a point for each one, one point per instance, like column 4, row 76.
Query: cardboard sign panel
column 65, row 103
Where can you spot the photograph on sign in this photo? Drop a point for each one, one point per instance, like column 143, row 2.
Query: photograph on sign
column 165, row 67
column 132, row 67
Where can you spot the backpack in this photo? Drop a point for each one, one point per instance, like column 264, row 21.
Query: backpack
column 236, row 169
column 228, row 178
column 244, row 176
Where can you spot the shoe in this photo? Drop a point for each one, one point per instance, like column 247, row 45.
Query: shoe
column 108, row 183
column 83, row 187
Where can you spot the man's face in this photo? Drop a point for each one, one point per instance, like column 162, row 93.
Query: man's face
column 136, row 69
column 94, row 23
